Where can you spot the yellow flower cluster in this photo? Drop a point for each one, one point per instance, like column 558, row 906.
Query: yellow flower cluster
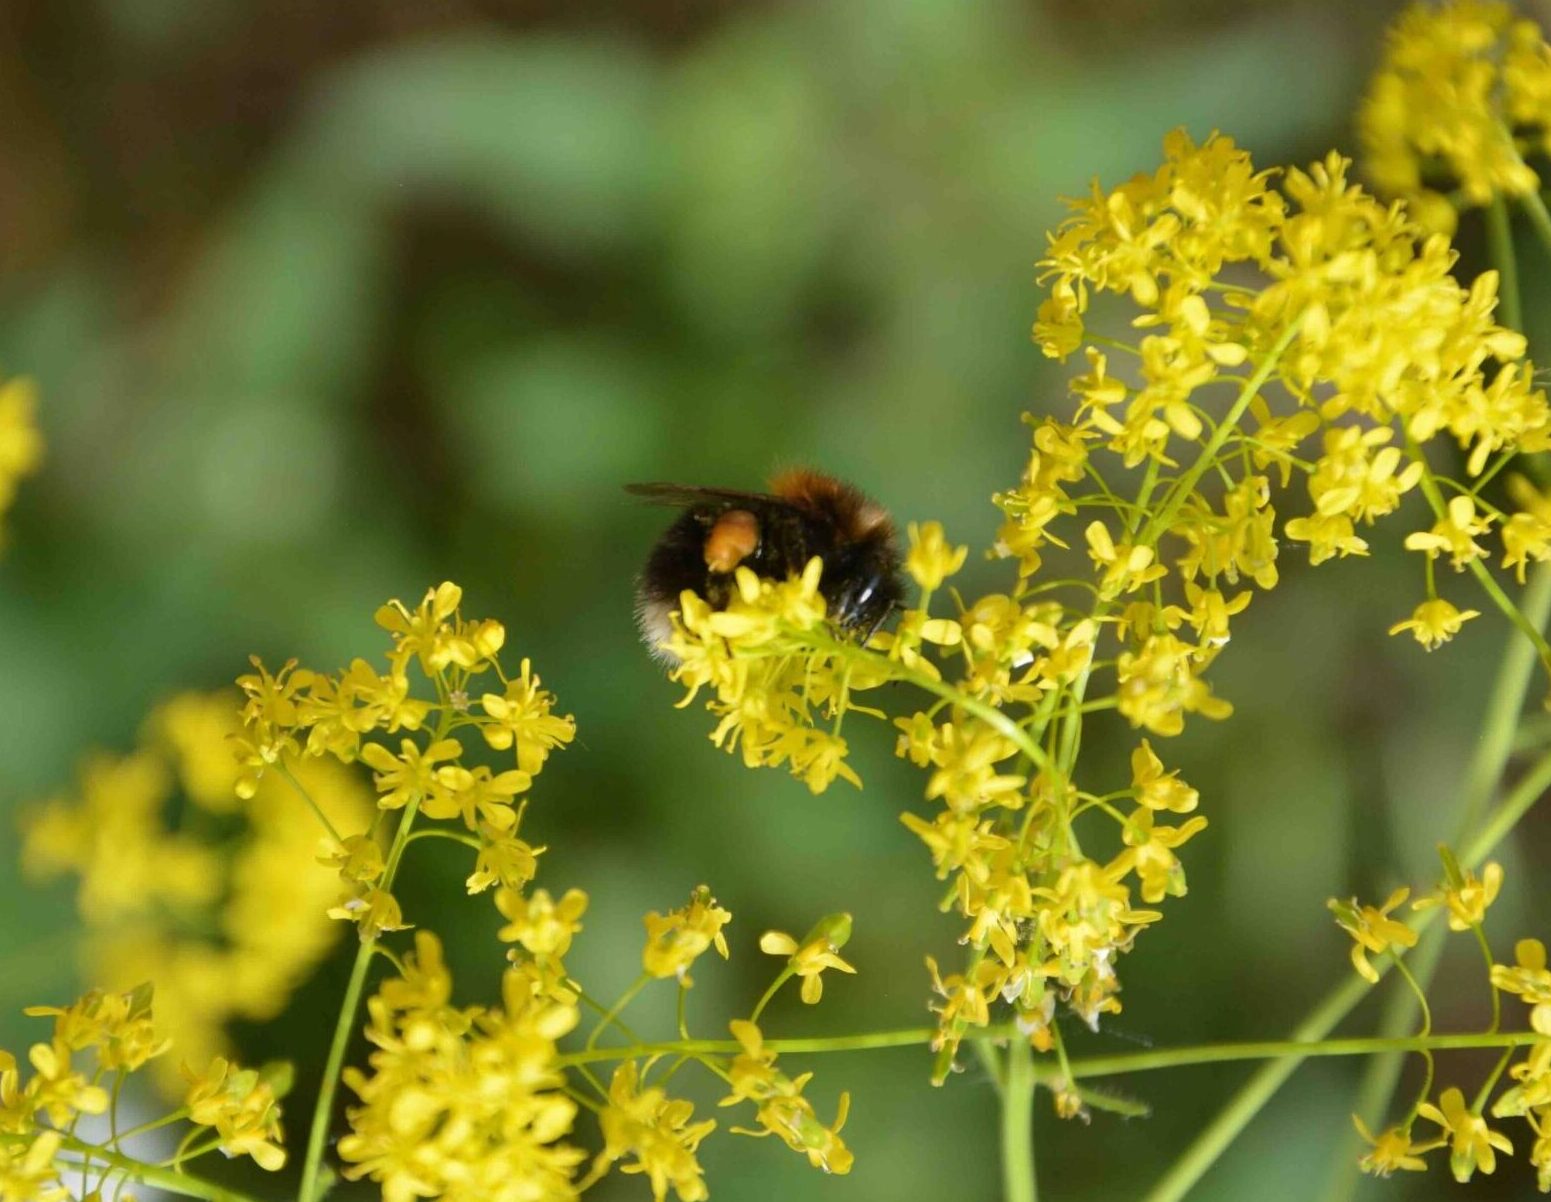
column 770, row 689
column 1271, row 309
column 1460, row 99
column 161, row 842
column 298, row 716
column 463, row 1103
column 479, row 1102
column 21, row 445
column 1473, row 1144
column 40, row 1113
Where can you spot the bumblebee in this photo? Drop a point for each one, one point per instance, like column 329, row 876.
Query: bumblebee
column 774, row 534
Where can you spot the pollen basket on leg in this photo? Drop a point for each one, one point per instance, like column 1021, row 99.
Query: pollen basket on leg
column 731, row 540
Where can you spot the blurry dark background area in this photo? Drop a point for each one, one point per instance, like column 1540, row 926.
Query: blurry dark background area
column 330, row 302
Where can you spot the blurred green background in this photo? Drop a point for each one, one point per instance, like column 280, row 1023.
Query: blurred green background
column 328, row 303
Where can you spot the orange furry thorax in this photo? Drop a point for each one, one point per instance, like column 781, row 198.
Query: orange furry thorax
column 856, row 517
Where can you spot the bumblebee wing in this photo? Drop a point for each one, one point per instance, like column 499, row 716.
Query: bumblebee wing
column 682, row 496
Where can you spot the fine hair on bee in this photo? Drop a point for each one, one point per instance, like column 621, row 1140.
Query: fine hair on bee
column 774, row 535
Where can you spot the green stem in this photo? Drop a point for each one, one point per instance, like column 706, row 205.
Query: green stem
column 159, row 1178
column 1263, row 1085
column 1535, row 208
column 1499, row 236
column 1080, row 1069
column 317, row 1134
column 618, row 1008
column 1018, row 1180
column 988, row 714
column 1185, row 485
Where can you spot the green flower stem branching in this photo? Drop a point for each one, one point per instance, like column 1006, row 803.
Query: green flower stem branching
column 1186, row 484
column 820, row 640
column 1499, row 236
column 1478, row 569
column 1220, row 1133
column 456, row 837
column 317, row 1134
column 618, row 1008
column 1018, row 1181
column 158, row 1178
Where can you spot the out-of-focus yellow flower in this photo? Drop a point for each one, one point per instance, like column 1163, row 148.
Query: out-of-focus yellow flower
column 1392, row 1150
column 29, row 1172
column 1467, row 901
column 1434, row 622
column 21, row 444
column 1454, row 533
column 542, row 925
column 1462, row 94
column 1530, row 980
column 148, row 890
column 242, row 1107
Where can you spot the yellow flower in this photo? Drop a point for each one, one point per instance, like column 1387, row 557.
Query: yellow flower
column 1373, row 930
column 477, row 796
column 1156, row 789
column 425, row 634
column 503, row 859
column 57, row 1090
column 1434, row 622
column 1159, row 686
column 1526, row 534
column 1468, row 900
column 463, row 1105
column 29, row 1172
column 522, row 718
column 21, row 445
column 1454, row 533
column 373, row 910
column 1126, row 567
column 542, row 925
column 1392, row 1150
column 967, row 756
column 241, row 1106
column 410, row 775
column 1150, row 854
column 675, row 940
column 657, row 1130
column 1530, row 980
column 1472, row 1142
column 1456, row 82
column 782, row 1110
column 931, row 559
column 817, row 952
column 117, row 1025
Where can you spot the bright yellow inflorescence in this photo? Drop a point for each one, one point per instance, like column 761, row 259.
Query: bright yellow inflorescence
column 1461, row 98
column 21, row 445
column 478, row 1103
column 1473, row 1144
column 1285, row 324
column 98, row 1043
column 160, row 842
